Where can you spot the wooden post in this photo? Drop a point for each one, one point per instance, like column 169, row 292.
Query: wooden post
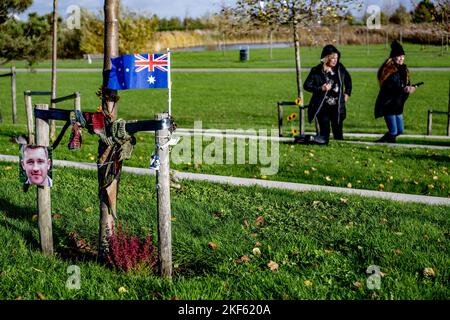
column 280, row 120
column 77, row 101
column 162, row 138
column 298, row 71
column 430, row 122
column 43, row 192
column 13, row 94
column 448, row 110
column 30, row 116
column 54, row 57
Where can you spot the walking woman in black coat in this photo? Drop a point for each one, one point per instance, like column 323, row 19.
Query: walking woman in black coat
column 331, row 86
column 393, row 77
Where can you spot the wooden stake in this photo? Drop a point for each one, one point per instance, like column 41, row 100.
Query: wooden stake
column 430, row 122
column 162, row 138
column 448, row 110
column 30, row 116
column 13, row 94
column 77, row 101
column 43, row 193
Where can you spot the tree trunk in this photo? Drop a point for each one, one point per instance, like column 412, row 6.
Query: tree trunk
column 270, row 43
column 299, row 77
column 54, row 57
column 109, row 166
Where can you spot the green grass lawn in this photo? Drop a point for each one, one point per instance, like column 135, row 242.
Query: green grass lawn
column 355, row 56
column 404, row 170
column 322, row 243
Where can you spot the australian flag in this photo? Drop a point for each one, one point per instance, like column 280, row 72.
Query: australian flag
column 139, row 71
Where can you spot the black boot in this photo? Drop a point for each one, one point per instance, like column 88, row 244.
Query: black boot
column 384, row 138
column 391, row 139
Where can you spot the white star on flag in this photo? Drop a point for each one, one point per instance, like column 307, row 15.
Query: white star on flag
column 151, row 80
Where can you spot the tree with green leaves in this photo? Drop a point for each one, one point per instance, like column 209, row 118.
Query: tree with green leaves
column 400, row 16
column 295, row 13
column 30, row 40
column 10, row 7
column 425, row 11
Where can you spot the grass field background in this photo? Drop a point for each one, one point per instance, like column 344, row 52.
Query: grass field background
column 236, row 100
column 322, row 243
column 354, row 56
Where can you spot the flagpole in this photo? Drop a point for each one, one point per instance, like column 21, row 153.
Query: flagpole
column 169, row 83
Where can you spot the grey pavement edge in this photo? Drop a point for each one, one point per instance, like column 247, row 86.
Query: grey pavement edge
column 262, row 183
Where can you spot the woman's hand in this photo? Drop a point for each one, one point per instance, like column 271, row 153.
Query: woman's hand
column 326, row 87
column 346, row 97
column 410, row 89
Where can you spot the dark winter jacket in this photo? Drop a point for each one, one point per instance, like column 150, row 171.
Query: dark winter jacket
column 392, row 97
column 315, row 81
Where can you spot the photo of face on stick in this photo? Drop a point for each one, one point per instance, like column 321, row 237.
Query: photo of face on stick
column 35, row 165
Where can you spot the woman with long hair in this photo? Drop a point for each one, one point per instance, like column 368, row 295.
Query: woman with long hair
column 395, row 87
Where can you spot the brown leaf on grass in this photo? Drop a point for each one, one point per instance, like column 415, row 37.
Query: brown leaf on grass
column 254, row 235
column 273, row 265
column 358, row 284
column 41, row 296
column 242, row 259
column 344, row 200
column 56, row 216
column 382, row 274
column 429, row 272
column 174, row 298
column 259, row 221
column 246, row 224
column 212, row 245
column 258, row 244
column 383, row 221
column 397, row 252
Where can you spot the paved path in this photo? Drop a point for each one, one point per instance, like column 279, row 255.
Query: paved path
column 242, row 135
column 262, row 183
column 99, row 70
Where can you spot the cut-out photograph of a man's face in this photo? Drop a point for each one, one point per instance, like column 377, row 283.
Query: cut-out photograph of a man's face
column 35, row 165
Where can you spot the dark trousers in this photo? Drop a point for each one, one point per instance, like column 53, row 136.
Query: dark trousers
column 326, row 117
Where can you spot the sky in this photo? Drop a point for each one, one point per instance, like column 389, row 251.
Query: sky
column 163, row 8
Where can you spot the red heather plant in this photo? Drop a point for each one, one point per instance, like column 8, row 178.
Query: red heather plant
column 128, row 252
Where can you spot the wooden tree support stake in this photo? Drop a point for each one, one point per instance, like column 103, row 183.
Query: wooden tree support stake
column 43, row 192
column 162, row 138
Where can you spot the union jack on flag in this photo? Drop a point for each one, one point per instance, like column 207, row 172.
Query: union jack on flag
column 139, row 71
column 150, row 63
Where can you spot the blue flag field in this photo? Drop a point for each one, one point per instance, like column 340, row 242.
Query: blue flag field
column 139, row 71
